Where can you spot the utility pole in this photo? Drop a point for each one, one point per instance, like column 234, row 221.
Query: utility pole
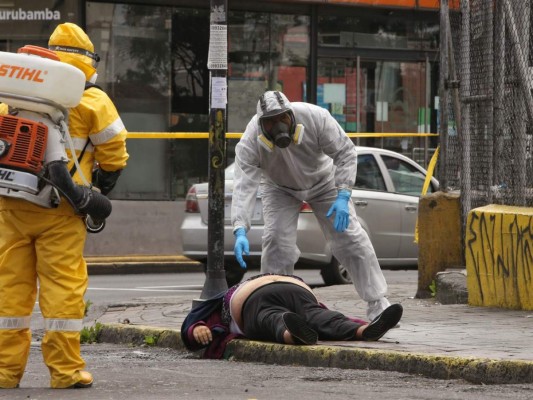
column 217, row 63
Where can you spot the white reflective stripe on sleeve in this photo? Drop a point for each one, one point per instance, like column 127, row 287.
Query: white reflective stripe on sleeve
column 15, row 322
column 109, row 132
column 79, row 144
column 65, row 325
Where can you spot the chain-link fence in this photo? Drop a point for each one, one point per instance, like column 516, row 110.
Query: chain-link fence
column 486, row 102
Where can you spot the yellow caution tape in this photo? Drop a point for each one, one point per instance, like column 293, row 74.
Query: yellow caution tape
column 236, row 135
column 429, row 174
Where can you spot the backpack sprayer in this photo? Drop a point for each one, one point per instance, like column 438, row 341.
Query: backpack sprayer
column 39, row 89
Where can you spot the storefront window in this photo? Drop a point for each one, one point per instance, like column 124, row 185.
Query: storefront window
column 190, row 97
column 154, row 66
column 380, row 28
column 266, row 51
column 134, row 46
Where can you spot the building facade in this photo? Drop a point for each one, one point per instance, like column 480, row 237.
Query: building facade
column 372, row 63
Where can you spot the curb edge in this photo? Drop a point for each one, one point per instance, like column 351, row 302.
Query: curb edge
column 475, row 370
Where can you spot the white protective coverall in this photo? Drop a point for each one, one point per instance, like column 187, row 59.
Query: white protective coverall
column 46, row 244
column 320, row 161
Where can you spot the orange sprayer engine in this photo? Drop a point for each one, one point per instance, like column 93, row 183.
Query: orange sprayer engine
column 22, row 143
column 22, row 152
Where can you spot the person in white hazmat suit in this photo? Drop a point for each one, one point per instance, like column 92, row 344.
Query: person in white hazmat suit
column 301, row 153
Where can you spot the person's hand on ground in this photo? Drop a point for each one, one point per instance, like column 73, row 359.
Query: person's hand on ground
column 202, row 334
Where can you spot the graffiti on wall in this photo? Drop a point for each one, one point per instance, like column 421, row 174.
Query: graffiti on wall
column 499, row 257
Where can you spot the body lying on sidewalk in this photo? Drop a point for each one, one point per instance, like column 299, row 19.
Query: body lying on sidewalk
column 275, row 308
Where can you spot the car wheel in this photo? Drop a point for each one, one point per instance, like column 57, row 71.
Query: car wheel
column 335, row 274
column 234, row 273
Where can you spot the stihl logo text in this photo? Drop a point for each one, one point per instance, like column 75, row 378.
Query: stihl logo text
column 18, row 72
column 7, row 175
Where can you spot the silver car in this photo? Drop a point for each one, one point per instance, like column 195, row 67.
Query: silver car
column 386, row 193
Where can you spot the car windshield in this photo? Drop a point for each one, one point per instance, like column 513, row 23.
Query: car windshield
column 406, row 178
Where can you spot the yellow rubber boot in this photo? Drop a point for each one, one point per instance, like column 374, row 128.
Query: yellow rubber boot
column 86, row 381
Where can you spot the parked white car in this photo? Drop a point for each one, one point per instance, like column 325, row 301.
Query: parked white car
column 386, row 193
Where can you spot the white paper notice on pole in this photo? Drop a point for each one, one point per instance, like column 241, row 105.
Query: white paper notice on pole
column 219, row 92
column 218, row 47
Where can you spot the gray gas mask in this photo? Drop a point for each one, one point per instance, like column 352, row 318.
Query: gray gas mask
column 279, row 134
column 277, row 121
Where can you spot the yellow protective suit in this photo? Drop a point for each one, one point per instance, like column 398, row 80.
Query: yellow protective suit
column 47, row 244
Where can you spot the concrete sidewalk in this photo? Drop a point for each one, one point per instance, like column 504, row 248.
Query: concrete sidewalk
column 482, row 345
column 141, row 264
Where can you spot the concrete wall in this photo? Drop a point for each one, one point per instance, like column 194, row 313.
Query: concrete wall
column 139, row 228
column 499, row 257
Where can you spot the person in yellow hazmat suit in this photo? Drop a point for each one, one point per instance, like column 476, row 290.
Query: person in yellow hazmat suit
column 46, row 244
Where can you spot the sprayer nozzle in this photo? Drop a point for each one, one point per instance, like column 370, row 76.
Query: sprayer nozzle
column 94, row 204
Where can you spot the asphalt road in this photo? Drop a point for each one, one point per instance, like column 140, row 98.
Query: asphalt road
column 121, row 288
column 141, row 373
column 126, row 372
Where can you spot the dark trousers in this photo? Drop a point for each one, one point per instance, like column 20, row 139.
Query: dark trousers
column 262, row 314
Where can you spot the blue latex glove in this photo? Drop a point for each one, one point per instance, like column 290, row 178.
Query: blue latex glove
column 242, row 246
column 341, row 210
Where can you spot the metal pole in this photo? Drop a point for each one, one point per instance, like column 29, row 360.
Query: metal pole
column 358, row 100
column 499, row 92
column 453, row 79
column 427, row 118
column 520, row 51
column 466, row 172
column 443, row 95
column 217, row 63
column 488, row 106
column 518, row 25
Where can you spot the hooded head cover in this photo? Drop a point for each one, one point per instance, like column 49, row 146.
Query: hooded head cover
column 270, row 107
column 74, row 47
